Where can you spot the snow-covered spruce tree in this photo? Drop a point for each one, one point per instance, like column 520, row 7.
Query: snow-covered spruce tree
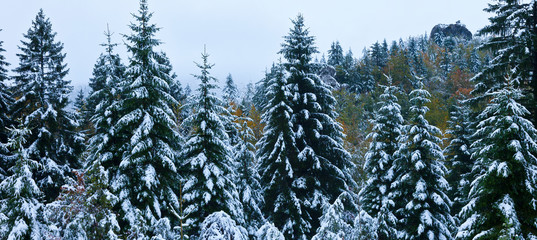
column 458, row 156
column 108, row 71
column 220, row 226
column 376, row 197
column 420, row 190
column 85, row 208
column 512, row 41
column 146, row 183
column 230, row 95
column 104, row 104
column 20, row 207
column 104, row 157
column 230, row 91
column 503, row 198
column 248, row 178
column 338, row 219
column 335, row 55
column 269, row 232
column 5, row 120
column 276, row 153
column 207, row 165
column 42, row 96
column 320, row 165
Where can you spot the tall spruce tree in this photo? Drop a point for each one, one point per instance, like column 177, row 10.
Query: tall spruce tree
column 107, row 73
column 248, row 179
column 513, row 44
column 322, row 167
column 420, row 190
column 104, row 156
column 147, row 179
column 5, row 120
column 277, row 152
column 376, row 197
column 105, row 143
column 20, row 206
column 42, row 96
column 230, row 95
column 502, row 195
column 458, row 156
column 317, row 161
column 207, row 165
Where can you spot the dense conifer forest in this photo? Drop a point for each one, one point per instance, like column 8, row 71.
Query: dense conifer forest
column 428, row 137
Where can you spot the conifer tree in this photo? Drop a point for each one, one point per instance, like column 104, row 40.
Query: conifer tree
column 207, row 165
column 502, row 194
column 248, row 178
column 42, row 96
column 82, row 114
column 276, row 152
column 80, row 101
column 259, row 99
column 20, row 206
column 379, row 56
column 420, row 190
column 320, row 165
column 107, row 71
column 5, row 120
column 376, row 197
column 335, row 55
column 458, row 156
column 147, row 178
column 230, row 91
column 512, row 42
column 230, row 95
column 104, row 156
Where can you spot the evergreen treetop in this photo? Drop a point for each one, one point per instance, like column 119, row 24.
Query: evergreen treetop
column 231, row 93
column 316, row 162
column 207, row 166
column 335, row 54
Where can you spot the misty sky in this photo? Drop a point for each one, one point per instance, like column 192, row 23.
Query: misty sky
column 242, row 36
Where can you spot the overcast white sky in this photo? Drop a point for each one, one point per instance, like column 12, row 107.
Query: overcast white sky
column 242, row 36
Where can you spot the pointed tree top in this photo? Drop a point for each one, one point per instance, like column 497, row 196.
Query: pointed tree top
column 298, row 46
column 109, row 45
